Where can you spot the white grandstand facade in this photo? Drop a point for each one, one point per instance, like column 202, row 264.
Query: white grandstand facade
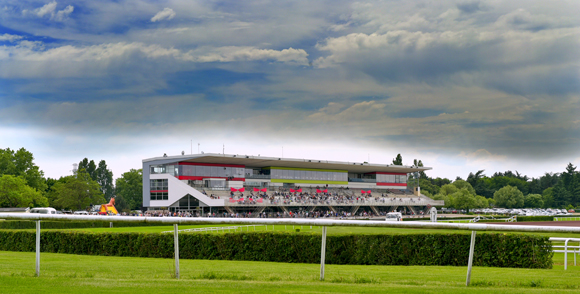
column 246, row 185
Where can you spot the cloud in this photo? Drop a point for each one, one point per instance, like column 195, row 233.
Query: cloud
column 165, row 14
column 50, row 10
column 93, row 60
column 62, row 14
column 10, row 38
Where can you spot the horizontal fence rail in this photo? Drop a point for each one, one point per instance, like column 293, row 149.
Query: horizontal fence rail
column 566, row 219
column 288, row 221
column 176, row 221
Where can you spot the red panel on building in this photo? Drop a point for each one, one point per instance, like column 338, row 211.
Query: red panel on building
column 197, row 178
column 211, row 164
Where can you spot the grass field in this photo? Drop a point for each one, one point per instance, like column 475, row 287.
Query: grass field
column 61, row 273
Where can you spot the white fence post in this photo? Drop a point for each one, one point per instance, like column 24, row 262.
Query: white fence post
column 566, row 254
column 176, row 246
column 322, row 253
column 38, row 248
column 470, row 262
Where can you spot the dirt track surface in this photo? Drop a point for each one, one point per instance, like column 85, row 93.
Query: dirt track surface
column 551, row 224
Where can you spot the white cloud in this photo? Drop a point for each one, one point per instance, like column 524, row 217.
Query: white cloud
column 165, row 14
column 91, row 60
column 62, row 14
column 50, row 10
column 10, row 38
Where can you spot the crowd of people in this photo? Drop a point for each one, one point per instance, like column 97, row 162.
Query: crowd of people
column 309, row 198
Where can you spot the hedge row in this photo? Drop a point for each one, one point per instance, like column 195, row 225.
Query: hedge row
column 537, row 218
column 20, row 225
column 497, row 250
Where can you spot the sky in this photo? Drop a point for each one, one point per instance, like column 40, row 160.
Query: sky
column 461, row 85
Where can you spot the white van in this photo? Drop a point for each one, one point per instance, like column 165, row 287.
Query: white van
column 43, row 210
column 394, row 217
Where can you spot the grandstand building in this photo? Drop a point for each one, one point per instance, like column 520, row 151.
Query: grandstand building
column 256, row 186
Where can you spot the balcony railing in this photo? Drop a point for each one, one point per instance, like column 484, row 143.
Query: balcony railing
column 360, row 202
column 248, row 176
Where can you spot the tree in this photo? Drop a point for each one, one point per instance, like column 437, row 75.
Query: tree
column 104, row 177
column 461, row 184
column 482, row 202
column 130, row 187
column 509, row 197
column 398, row 160
column 463, row 199
column 448, row 189
column 21, row 163
column 89, row 167
column 14, row 192
column 548, row 197
column 533, row 201
column 77, row 191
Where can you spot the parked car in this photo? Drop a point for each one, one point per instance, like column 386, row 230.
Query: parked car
column 394, row 217
column 43, row 210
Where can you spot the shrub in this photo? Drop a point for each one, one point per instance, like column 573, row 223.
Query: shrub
column 498, row 250
column 537, row 218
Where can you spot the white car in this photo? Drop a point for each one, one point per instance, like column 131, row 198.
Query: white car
column 81, row 212
column 43, row 210
column 394, row 217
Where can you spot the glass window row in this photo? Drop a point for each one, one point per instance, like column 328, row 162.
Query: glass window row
column 159, row 184
column 308, row 175
column 198, row 171
column 159, row 196
column 391, row 178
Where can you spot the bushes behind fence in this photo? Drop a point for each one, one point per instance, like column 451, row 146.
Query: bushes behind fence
column 497, row 250
column 535, row 218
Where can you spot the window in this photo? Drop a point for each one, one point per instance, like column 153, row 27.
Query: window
column 159, row 189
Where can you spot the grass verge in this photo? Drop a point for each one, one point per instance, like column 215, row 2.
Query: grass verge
column 62, row 273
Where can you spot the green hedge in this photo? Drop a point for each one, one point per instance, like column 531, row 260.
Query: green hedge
column 497, row 250
column 19, row 225
column 537, row 218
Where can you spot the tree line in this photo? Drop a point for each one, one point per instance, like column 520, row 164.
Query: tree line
column 22, row 184
column 508, row 189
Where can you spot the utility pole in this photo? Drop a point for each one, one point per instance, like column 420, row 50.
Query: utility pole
column 197, row 148
column 191, row 151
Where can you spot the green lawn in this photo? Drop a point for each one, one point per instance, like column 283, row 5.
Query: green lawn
column 61, row 273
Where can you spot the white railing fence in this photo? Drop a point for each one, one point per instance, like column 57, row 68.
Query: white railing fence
column 563, row 219
column 567, row 248
column 176, row 221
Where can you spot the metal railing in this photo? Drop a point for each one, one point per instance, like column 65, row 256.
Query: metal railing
column 280, row 202
column 217, row 229
column 561, row 219
column 567, row 248
column 176, row 221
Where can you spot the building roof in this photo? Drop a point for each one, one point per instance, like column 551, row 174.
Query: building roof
column 262, row 161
